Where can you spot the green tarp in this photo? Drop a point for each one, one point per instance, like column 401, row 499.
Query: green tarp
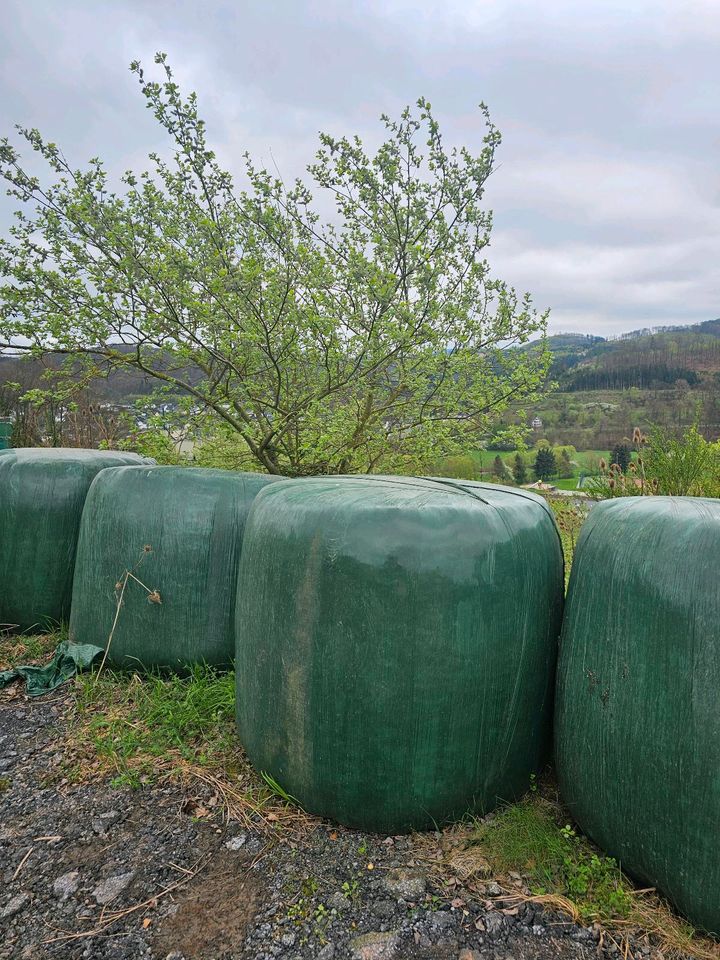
column 157, row 558
column 69, row 659
column 42, row 493
column 638, row 696
column 396, row 644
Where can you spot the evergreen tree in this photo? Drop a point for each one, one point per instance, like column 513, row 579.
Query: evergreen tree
column 519, row 469
column 621, row 456
column 545, row 465
column 498, row 467
column 565, row 467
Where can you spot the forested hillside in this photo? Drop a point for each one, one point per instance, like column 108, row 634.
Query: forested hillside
column 665, row 376
column 645, row 359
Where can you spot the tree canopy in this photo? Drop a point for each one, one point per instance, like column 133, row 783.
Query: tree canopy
column 374, row 339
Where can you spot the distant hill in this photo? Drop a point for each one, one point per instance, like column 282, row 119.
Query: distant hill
column 647, row 359
column 121, row 386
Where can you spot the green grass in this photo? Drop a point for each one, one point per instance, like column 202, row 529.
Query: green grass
column 531, row 839
column 138, row 730
column 131, row 723
column 17, row 650
column 567, row 483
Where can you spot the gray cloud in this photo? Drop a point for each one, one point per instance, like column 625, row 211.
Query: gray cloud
column 606, row 196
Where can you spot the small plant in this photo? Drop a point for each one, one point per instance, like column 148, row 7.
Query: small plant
column 530, row 839
column 351, row 889
column 277, row 790
column 570, row 519
column 321, row 921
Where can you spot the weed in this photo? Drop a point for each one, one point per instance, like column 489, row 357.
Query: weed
column 309, row 887
column 569, row 519
column 351, row 889
column 305, row 911
column 277, row 790
column 4, row 783
column 322, row 920
column 528, row 838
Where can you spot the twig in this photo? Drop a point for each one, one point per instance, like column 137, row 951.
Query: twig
column 22, row 864
column 112, row 631
column 124, row 581
column 113, row 917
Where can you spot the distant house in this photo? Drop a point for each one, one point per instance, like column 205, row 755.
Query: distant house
column 536, row 423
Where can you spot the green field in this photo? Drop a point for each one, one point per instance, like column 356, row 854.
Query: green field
column 478, row 464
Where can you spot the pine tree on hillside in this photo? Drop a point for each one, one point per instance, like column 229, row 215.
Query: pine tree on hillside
column 519, row 469
column 498, row 467
column 565, row 467
column 545, row 465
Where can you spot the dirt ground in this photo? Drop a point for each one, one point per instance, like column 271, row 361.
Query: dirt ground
column 92, row 871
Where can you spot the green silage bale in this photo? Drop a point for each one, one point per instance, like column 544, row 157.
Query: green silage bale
column 42, row 494
column 396, row 644
column 157, row 564
column 638, row 695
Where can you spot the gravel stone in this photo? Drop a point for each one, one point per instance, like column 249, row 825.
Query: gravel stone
column 374, row 946
column 111, row 888
column 14, row 906
column 405, row 884
column 238, row 842
column 494, row 924
column 67, row 884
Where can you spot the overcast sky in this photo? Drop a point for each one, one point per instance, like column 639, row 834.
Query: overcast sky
column 606, row 196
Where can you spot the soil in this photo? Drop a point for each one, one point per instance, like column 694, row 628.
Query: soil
column 92, row 871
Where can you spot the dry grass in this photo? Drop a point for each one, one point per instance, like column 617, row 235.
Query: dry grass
column 22, row 650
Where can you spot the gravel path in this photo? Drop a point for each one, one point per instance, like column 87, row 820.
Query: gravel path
column 97, row 872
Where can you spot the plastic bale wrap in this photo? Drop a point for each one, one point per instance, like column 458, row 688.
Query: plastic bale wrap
column 179, row 531
column 638, row 698
column 396, row 645
column 42, row 493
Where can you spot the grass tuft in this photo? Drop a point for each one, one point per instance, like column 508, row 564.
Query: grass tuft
column 21, row 650
column 535, row 855
column 530, row 839
column 145, row 729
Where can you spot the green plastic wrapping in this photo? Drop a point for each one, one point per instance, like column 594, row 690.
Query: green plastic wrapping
column 42, row 493
column 68, row 660
column 165, row 541
column 638, row 698
column 396, row 645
